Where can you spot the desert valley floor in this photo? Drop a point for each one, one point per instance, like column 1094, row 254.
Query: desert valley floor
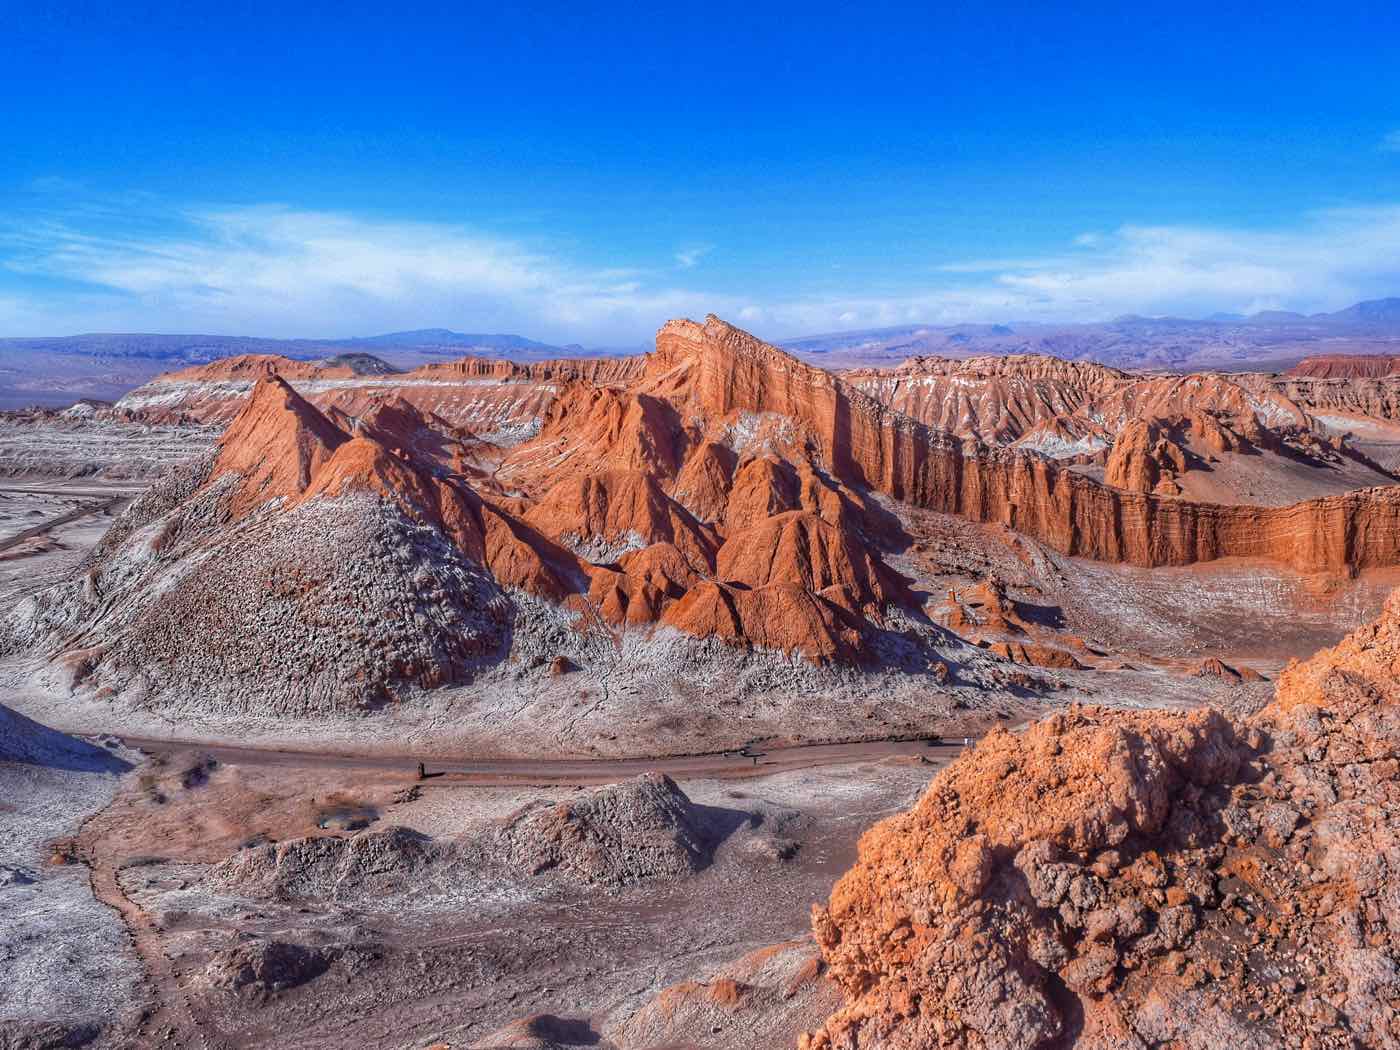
column 669, row 634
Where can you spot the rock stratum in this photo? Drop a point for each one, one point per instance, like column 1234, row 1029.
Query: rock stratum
column 1130, row 880
column 344, row 554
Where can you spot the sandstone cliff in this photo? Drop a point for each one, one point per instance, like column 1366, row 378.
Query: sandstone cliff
column 1346, row 366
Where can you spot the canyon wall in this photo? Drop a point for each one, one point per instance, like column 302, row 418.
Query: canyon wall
column 866, row 444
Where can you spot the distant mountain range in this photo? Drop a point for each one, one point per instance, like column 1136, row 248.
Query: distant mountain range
column 201, row 349
column 1264, row 341
column 58, row 369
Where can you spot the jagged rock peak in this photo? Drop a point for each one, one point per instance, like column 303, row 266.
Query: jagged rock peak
column 276, row 443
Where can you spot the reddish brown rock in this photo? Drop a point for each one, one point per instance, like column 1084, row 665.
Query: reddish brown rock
column 276, row 444
column 1346, row 366
column 1100, row 879
column 800, row 548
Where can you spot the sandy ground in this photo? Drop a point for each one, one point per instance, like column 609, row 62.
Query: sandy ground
column 129, row 935
column 410, row 970
column 64, row 956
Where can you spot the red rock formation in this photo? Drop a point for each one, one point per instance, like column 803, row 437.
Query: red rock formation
column 1376, row 398
column 781, row 617
column 799, row 547
column 722, row 487
column 611, row 513
column 1131, row 879
column 996, row 399
column 1034, row 655
column 276, row 444
column 1144, row 460
column 1346, row 366
column 719, row 369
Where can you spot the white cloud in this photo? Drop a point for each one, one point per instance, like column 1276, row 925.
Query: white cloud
column 686, row 258
column 282, row 271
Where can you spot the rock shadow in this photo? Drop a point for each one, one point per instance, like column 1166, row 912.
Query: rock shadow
column 28, row 742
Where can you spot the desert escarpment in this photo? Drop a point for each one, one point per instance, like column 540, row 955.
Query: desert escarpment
column 721, row 491
column 1346, row 366
column 997, row 399
column 1115, row 879
column 497, row 399
column 866, row 445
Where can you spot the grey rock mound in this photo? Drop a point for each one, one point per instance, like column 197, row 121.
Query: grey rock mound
column 46, row 1035
column 261, row 967
column 542, row 1032
column 640, row 829
column 322, row 866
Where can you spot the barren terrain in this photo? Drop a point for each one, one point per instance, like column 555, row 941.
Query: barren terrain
column 667, row 634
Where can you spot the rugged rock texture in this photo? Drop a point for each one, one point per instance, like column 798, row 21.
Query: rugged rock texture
column 1110, row 879
column 260, row 967
column 1365, row 397
column 641, row 829
column 764, row 999
column 336, row 561
column 1144, row 460
column 498, row 399
column 541, row 1032
column 996, row 399
column 865, row 445
column 371, row 863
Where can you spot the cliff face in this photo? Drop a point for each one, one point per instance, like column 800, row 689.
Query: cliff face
column 1346, row 366
column 1376, row 397
column 1112, row 879
column 865, row 444
column 995, row 399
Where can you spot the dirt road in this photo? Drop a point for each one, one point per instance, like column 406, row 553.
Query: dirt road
column 95, row 507
column 756, row 762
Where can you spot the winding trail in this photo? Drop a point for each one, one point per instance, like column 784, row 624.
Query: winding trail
column 170, row 1019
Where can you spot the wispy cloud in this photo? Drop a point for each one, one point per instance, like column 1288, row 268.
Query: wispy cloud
column 686, row 258
column 276, row 270
column 286, row 271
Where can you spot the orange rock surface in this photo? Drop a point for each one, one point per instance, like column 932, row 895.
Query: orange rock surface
column 727, row 489
column 1135, row 879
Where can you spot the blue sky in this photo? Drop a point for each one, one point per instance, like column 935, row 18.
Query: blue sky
column 583, row 175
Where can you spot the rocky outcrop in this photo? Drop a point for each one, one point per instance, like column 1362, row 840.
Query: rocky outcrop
column 1144, row 460
column 1136, row 879
column 995, row 399
column 642, row 829
column 262, row 967
column 719, row 487
column 276, row 444
column 1346, row 366
column 496, row 398
column 540, row 1032
column 764, row 999
column 865, row 445
column 1364, row 397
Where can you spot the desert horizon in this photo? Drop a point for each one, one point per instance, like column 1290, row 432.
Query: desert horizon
column 820, row 529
